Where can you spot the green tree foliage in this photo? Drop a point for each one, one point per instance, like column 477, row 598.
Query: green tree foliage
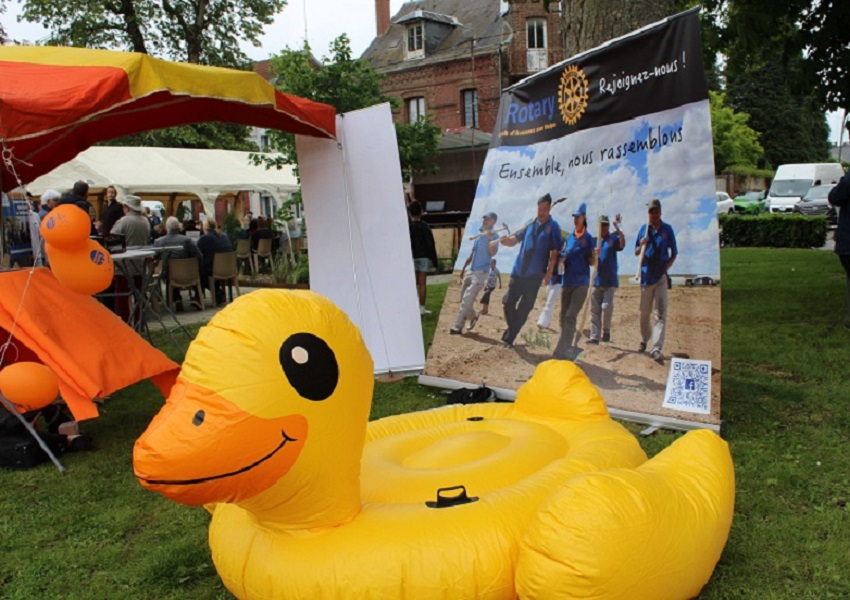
column 788, row 29
column 769, row 77
column 735, row 142
column 210, row 135
column 3, row 36
column 826, row 39
column 347, row 84
column 195, row 31
column 417, row 147
column 791, row 123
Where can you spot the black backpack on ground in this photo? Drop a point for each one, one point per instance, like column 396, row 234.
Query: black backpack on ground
column 471, row 395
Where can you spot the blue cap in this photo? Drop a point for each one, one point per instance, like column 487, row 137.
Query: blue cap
column 581, row 210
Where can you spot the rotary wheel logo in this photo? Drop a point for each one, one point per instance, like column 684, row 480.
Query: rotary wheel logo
column 572, row 94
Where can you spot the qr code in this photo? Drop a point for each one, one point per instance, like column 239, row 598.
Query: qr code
column 689, row 386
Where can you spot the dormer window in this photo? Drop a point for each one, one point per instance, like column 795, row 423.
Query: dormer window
column 421, row 24
column 416, row 40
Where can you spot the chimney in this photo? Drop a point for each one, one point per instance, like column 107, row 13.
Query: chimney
column 382, row 15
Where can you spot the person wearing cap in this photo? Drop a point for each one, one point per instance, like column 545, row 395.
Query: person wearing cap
column 136, row 230
column 479, row 266
column 540, row 242
column 134, row 226
column 577, row 257
column 607, row 279
column 660, row 251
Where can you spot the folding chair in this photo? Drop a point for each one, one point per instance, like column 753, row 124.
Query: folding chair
column 264, row 252
column 224, row 269
column 184, row 274
column 243, row 253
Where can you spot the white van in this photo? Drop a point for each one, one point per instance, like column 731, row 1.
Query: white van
column 791, row 183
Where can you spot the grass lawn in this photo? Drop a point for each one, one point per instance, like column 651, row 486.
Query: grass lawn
column 95, row 533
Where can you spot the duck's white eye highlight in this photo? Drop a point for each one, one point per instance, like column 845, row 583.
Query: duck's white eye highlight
column 300, row 355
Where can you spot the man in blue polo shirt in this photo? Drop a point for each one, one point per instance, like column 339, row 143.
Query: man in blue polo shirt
column 607, row 281
column 479, row 268
column 538, row 254
column 659, row 255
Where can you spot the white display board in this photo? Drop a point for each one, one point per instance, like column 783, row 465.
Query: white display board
column 360, row 255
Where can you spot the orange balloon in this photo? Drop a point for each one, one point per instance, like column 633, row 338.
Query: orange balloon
column 29, row 385
column 67, row 226
column 87, row 270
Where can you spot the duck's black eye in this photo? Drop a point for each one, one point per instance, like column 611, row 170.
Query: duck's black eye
column 309, row 365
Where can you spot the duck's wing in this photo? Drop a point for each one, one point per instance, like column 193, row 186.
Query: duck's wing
column 653, row 532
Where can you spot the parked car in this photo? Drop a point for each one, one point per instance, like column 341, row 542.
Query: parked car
column 791, row 183
column 725, row 205
column 815, row 204
column 701, row 281
column 750, row 203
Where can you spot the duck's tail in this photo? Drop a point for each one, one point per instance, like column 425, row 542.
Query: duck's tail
column 654, row 532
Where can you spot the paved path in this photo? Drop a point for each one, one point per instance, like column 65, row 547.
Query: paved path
column 192, row 315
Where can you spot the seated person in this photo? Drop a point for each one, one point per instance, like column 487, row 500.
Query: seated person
column 262, row 232
column 190, row 225
column 210, row 243
column 248, row 233
column 173, row 237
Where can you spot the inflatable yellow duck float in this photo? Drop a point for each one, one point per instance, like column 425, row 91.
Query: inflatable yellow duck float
column 546, row 497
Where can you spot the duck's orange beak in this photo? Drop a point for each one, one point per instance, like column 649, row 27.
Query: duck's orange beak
column 202, row 448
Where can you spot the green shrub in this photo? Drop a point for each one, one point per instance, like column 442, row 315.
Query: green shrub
column 291, row 269
column 772, row 231
column 231, row 228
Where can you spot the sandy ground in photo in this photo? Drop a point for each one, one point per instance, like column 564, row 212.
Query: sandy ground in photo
column 627, row 379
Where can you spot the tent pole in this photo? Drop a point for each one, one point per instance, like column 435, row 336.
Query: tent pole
column 2, row 226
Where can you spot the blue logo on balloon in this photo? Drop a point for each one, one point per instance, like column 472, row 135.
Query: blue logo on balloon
column 97, row 257
column 51, row 223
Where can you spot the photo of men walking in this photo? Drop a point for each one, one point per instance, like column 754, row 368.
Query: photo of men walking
column 540, row 244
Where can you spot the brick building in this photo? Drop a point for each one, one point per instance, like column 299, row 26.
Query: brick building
column 449, row 60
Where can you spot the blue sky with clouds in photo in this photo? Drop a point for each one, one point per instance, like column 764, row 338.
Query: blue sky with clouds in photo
column 680, row 173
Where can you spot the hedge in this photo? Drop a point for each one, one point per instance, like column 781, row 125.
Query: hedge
column 773, row 231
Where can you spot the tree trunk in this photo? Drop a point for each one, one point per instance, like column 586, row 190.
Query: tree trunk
column 128, row 12
column 586, row 24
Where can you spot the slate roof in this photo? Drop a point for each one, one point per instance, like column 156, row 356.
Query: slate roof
column 460, row 138
column 429, row 16
column 386, row 52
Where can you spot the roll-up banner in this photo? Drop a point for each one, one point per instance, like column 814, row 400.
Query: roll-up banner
column 600, row 180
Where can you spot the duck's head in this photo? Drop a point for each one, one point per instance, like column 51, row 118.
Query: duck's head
column 269, row 411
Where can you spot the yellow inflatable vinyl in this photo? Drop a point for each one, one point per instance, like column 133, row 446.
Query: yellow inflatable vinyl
column 268, row 427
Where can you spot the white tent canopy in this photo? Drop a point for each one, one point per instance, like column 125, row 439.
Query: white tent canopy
column 136, row 170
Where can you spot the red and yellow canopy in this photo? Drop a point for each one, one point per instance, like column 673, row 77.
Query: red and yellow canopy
column 56, row 102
